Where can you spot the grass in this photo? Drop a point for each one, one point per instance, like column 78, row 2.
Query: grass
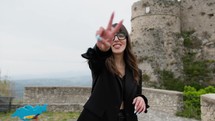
column 6, row 90
column 46, row 116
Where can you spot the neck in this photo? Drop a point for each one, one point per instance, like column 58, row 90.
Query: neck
column 119, row 60
column 120, row 64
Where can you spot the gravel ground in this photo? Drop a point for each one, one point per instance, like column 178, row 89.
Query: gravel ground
column 153, row 115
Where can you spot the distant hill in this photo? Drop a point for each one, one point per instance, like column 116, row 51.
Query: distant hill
column 71, row 81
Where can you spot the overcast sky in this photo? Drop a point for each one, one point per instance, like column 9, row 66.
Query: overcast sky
column 44, row 37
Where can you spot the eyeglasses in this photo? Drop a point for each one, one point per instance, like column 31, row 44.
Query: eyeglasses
column 120, row 36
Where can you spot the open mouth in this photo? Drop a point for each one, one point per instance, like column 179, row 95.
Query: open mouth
column 117, row 46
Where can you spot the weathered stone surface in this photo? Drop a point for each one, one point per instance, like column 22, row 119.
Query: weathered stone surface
column 163, row 103
column 164, row 100
column 155, row 26
column 58, row 98
column 199, row 15
column 72, row 98
column 154, row 115
column 155, row 29
column 208, row 107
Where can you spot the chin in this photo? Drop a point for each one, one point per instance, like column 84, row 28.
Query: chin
column 117, row 52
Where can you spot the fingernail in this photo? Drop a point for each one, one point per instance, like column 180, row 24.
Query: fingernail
column 99, row 38
column 135, row 111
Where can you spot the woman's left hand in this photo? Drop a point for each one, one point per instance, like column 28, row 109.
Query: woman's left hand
column 139, row 105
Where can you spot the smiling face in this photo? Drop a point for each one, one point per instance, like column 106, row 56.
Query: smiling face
column 119, row 43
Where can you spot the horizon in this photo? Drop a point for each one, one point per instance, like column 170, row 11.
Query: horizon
column 18, row 86
column 60, row 75
column 45, row 38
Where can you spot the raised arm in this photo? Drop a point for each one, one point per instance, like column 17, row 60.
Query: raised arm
column 105, row 36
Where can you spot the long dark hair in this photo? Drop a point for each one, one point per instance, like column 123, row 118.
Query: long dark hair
column 128, row 56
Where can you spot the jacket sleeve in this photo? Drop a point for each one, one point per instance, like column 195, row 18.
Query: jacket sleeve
column 139, row 91
column 96, row 58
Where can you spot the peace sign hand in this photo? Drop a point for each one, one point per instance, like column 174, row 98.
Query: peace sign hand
column 105, row 36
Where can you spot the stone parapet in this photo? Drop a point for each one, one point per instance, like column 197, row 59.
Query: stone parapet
column 208, row 107
column 65, row 99
column 72, row 99
column 164, row 100
column 155, row 7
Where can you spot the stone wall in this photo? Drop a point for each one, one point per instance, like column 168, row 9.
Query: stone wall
column 155, row 26
column 198, row 15
column 155, row 29
column 58, row 98
column 164, row 100
column 208, row 107
column 72, row 98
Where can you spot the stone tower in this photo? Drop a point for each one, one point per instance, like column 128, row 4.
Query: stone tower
column 155, row 25
column 155, row 29
column 199, row 16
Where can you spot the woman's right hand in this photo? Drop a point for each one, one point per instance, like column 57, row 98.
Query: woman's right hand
column 106, row 35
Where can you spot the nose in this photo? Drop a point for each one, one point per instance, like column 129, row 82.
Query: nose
column 115, row 38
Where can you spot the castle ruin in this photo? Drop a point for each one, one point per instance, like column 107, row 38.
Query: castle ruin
column 156, row 26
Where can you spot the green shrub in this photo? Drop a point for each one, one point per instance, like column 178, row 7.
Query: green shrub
column 187, row 39
column 196, row 73
column 145, row 77
column 169, row 82
column 192, row 107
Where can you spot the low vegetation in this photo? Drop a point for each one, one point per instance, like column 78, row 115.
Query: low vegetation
column 46, row 116
column 197, row 78
column 192, row 107
column 6, row 87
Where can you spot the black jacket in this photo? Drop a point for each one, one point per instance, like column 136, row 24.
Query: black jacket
column 106, row 95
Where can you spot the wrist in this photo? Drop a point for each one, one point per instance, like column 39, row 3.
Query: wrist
column 102, row 47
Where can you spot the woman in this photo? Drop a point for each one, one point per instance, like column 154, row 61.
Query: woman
column 117, row 82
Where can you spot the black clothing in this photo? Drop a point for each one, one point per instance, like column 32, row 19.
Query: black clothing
column 107, row 90
column 121, row 115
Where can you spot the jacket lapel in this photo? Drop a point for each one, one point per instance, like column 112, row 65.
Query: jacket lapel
column 120, row 84
column 130, row 84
